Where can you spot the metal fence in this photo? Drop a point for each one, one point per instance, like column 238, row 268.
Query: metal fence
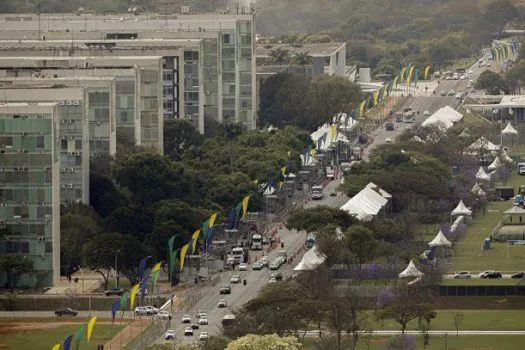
column 149, row 335
column 481, row 291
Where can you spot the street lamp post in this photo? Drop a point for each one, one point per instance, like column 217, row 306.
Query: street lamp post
column 116, row 267
column 82, row 277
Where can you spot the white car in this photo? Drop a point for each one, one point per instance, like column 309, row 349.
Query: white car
column 388, row 140
column 186, row 319
column 274, row 266
column 243, row 267
column 272, row 280
column 203, row 336
column 257, row 266
column 462, row 77
column 170, row 334
column 462, row 275
column 203, row 321
column 264, row 261
column 164, row 315
column 222, row 303
column 235, row 279
column 188, row 331
column 426, row 113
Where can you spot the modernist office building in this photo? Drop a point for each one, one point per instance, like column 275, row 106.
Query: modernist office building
column 73, row 133
column 220, row 70
column 137, row 82
column 30, row 186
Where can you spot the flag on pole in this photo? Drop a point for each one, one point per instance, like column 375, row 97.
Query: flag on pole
column 362, row 108
column 334, row 132
column 114, row 308
column 375, row 96
column 133, row 294
column 56, row 347
column 78, row 336
column 245, row 203
column 124, row 300
column 155, row 274
column 183, row 252
column 142, row 268
column 67, row 342
column 91, row 325
column 427, row 69
column 194, row 239
column 283, row 170
column 213, row 217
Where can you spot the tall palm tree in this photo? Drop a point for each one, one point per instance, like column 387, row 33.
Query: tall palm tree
column 302, row 58
column 279, row 55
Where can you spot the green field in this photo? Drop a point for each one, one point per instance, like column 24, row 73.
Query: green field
column 32, row 337
column 495, row 342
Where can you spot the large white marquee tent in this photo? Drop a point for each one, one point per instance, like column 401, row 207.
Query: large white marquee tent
column 366, row 204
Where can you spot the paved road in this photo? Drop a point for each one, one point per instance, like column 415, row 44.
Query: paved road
column 241, row 294
column 431, row 103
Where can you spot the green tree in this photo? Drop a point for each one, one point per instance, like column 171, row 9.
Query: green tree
column 329, row 95
column 132, row 252
column 269, row 342
column 283, row 100
column 14, row 266
column 104, row 197
column 361, row 243
column 314, row 219
column 279, row 55
column 99, row 254
column 302, row 58
column 180, row 136
column 493, row 83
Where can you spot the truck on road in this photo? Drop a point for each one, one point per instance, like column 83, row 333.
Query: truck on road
column 257, row 242
column 330, row 172
column 238, row 255
column 317, row 192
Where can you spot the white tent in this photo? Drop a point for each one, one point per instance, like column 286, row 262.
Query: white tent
column 482, row 143
column 464, row 133
column 451, row 113
column 411, row 271
column 309, row 160
column 507, row 159
column 477, row 190
column 515, row 210
column 365, row 205
column 495, row 164
column 440, row 240
column 436, row 120
column 482, row 175
column 345, row 122
column 461, row 209
column 311, row 259
column 509, row 130
column 325, row 138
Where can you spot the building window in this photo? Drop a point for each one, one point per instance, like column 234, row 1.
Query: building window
column 191, row 55
column 49, row 247
column 226, row 38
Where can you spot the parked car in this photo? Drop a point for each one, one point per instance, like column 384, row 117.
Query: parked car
column 490, row 274
column 243, row 267
column 462, row 275
column 186, row 319
column 518, row 275
column 222, row 303
column 164, row 315
column 170, row 334
column 67, row 311
column 188, row 332
column 114, row 291
column 203, row 336
column 146, row 310
column 235, row 279
column 225, row 290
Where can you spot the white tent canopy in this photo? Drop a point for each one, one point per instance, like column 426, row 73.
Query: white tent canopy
column 509, row 130
column 345, row 121
column 483, row 143
column 440, row 240
column 506, row 158
column 477, row 190
column 311, row 259
column 461, row 209
column 445, row 117
column 495, row 164
column 365, row 205
column 482, row 175
column 382, row 192
column 411, row 271
column 515, row 210
column 325, row 138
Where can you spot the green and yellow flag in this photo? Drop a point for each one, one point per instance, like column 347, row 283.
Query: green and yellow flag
column 245, row 203
column 132, row 295
column 212, row 219
column 375, row 96
column 183, row 252
column 362, row 108
column 427, row 69
column 155, row 274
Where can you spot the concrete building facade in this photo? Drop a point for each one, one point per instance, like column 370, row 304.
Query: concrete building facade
column 73, row 134
column 216, row 58
column 30, row 187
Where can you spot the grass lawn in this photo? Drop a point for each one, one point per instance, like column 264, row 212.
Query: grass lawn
column 495, row 342
column 472, row 118
column 43, row 338
column 474, row 320
column 468, row 254
column 480, row 282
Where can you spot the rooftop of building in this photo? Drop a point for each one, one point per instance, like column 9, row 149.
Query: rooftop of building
column 314, row 50
column 89, row 43
column 36, row 86
column 26, row 104
column 115, row 21
column 513, row 101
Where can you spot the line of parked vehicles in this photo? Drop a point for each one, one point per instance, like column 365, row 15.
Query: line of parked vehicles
column 489, row 274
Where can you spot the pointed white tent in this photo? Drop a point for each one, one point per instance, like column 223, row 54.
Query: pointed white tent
column 482, row 175
column 477, row 190
column 482, row 143
column 507, row 159
column 311, row 259
column 464, row 133
column 461, row 209
column 495, row 164
column 515, row 210
column 440, row 241
column 411, row 271
column 509, row 130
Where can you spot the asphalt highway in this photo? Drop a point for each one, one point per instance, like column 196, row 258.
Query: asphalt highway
column 241, row 294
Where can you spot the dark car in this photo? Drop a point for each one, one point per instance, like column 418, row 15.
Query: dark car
column 389, row 126
column 194, row 326
column 66, row 312
column 278, row 276
column 518, row 275
column 114, row 291
column 491, row 275
column 225, row 290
